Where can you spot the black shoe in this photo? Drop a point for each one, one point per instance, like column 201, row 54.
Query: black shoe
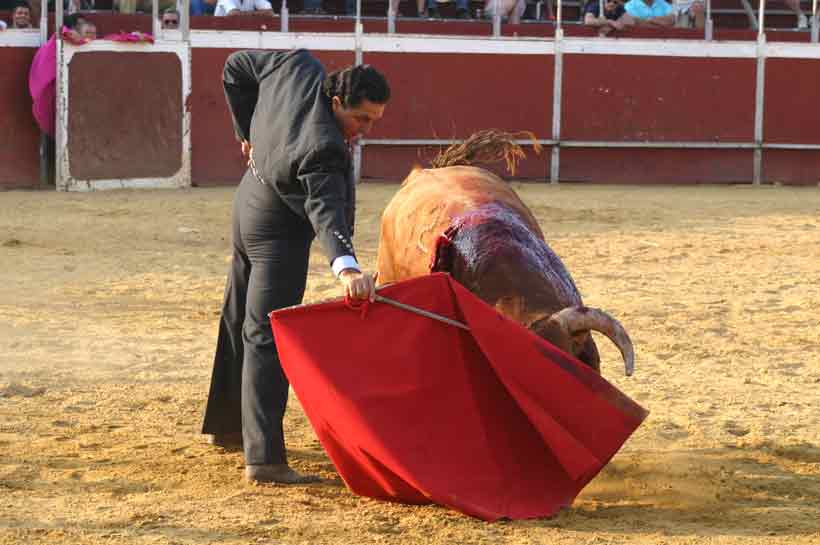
column 432, row 13
column 463, row 13
column 228, row 441
column 279, row 473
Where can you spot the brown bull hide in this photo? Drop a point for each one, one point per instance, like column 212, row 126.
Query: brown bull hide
column 467, row 221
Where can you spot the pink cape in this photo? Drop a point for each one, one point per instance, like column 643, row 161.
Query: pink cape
column 493, row 422
column 42, row 83
column 42, row 78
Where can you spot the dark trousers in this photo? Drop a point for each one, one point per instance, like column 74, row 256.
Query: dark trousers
column 249, row 390
column 48, row 161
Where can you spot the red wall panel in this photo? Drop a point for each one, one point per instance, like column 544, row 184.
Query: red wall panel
column 791, row 167
column 656, row 166
column 127, row 124
column 636, row 98
column 215, row 156
column 453, row 95
column 791, row 114
column 19, row 136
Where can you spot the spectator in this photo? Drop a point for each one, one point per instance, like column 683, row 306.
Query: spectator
column 77, row 6
column 794, row 5
column 652, row 13
column 170, row 19
column 201, row 7
column 42, row 86
column 142, row 6
column 125, row 6
column 512, row 10
column 393, row 6
column 613, row 10
column 21, row 15
column 314, row 7
column 694, row 8
column 235, row 7
column 86, row 29
column 462, row 9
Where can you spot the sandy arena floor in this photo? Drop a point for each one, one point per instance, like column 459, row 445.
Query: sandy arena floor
column 108, row 313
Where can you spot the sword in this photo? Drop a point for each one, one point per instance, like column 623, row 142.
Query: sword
column 421, row 312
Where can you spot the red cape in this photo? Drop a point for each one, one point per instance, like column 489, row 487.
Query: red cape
column 493, row 422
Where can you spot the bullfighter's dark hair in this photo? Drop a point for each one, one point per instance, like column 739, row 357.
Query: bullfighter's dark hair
column 356, row 83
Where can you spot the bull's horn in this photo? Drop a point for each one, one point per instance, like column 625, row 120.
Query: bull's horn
column 575, row 320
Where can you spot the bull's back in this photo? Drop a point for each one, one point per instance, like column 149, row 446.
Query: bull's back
column 425, row 207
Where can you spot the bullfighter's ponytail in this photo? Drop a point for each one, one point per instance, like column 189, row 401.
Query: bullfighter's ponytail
column 356, row 83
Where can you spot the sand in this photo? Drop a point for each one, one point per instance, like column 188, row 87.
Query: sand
column 108, row 313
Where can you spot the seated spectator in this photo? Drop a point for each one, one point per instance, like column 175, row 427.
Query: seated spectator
column 235, row 7
column 613, row 10
column 42, row 84
column 169, row 19
column 424, row 8
column 142, row 6
column 695, row 9
column 462, row 9
column 511, row 10
column 393, row 6
column 314, row 7
column 77, row 6
column 125, row 6
column 201, row 7
column 21, row 15
column 86, row 29
column 794, row 5
column 657, row 13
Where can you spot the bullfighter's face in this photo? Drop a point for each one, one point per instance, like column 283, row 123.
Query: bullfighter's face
column 356, row 121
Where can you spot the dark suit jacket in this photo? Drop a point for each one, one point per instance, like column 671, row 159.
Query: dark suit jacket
column 277, row 104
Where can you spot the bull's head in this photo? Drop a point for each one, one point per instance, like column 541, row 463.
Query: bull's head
column 569, row 329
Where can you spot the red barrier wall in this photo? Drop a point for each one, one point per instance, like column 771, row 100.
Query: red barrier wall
column 637, row 98
column 437, row 106
column 791, row 115
column 656, row 166
column 453, row 95
column 19, row 136
column 143, row 92
column 443, row 96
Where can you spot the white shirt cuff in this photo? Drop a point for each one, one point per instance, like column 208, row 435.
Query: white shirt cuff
column 344, row 262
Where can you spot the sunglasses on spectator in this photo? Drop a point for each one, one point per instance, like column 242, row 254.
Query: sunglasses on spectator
column 170, row 22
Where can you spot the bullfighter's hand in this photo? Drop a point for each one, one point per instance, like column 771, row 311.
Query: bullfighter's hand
column 358, row 285
column 246, row 151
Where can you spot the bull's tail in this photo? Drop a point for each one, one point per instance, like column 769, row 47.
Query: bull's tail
column 485, row 147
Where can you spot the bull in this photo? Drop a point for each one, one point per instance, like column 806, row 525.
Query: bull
column 466, row 221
